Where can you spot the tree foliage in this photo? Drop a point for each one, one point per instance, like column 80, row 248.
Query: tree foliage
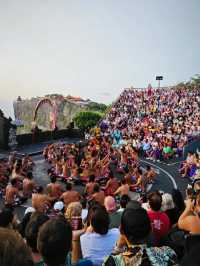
column 194, row 82
column 87, row 119
column 97, row 107
column 53, row 95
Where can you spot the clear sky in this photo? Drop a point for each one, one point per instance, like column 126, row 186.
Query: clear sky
column 94, row 48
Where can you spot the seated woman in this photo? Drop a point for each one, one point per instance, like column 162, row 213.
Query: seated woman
column 135, row 229
column 188, row 165
column 169, row 208
column 73, row 215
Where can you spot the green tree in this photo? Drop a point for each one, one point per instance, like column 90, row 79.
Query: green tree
column 87, row 119
column 98, row 107
column 195, row 80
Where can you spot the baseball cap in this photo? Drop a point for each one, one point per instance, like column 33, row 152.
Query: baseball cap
column 29, row 209
column 58, row 206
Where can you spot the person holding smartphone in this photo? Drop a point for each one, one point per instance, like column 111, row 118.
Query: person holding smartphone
column 190, row 218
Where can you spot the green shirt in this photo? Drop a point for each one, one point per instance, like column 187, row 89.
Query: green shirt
column 167, row 149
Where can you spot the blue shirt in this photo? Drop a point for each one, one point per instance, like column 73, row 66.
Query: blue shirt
column 96, row 247
column 146, row 146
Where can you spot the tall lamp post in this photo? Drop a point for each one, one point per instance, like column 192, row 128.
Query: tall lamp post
column 159, row 78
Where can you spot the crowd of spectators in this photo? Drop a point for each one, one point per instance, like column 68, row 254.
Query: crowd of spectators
column 190, row 168
column 113, row 219
column 158, row 122
column 150, row 231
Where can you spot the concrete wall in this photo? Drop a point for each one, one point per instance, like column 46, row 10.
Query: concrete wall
column 26, row 139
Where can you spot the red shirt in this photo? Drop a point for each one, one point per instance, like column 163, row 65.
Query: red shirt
column 160, row 224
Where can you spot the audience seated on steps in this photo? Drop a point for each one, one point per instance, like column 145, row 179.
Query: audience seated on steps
column 55, row 241
column 98, row 241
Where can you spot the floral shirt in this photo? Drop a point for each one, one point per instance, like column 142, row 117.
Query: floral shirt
column 141, row 255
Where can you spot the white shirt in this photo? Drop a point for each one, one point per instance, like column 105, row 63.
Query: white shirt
column 96, row 247
column 84, row 214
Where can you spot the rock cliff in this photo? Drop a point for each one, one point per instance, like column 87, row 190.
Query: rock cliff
column 66, row 108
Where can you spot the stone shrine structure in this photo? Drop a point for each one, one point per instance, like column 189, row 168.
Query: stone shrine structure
column 47, row 112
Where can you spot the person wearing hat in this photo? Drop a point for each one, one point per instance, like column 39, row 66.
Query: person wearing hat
column 58, row 209
column 29, row 210
column 111, row 207
column 58, row 206
column 135, row 228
